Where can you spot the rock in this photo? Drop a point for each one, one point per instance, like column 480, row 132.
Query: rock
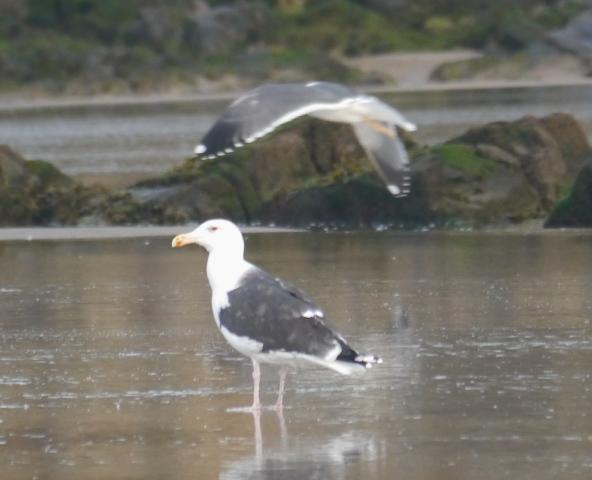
column 570, row 137
column 463, row 188
column 18, row 206
column 576, row 36
column 240, row 185
column 35, row 192
column 497, row 153
column 44, row 174
column 575, row 210
column 355, row 202
column 315, row 173
column 13, row 169
column 549, row 150
column 225, row 27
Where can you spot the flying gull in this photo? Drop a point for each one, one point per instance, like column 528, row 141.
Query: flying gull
column 262, row 110
column 263, row 317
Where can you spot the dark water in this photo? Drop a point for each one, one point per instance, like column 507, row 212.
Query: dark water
column 111, row 365
column 120, row 143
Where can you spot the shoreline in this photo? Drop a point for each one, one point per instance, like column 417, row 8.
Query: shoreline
column 30, row 234
column 18, row 101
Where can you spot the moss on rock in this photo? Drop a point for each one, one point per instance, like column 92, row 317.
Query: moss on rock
column 465, row 158
column 47, row 174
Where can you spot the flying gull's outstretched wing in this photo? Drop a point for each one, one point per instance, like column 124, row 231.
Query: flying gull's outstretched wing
column 260, row 111
column 388, row 155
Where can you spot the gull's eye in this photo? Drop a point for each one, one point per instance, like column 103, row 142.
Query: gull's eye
column 213, row 228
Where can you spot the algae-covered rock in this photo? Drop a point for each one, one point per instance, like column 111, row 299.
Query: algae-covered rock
column 575, row 210
column 359, row 201
column 45, row 174
column 242, row 184
column 13, row 169
column 547, row 152
column 465, row 188
column 35, row 192
column 315, row 173
column 502, row 172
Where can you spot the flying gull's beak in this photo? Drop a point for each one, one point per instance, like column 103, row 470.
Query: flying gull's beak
column 183, row 239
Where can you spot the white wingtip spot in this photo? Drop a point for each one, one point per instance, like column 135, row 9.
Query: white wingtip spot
column 199, row 149
column 368, row 360
column 394, row 189
column 410, row 127
column 312, row 313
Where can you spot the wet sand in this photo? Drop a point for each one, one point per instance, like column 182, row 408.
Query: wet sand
column 112, row 367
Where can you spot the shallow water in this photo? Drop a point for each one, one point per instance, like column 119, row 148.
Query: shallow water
column 111, row 365
column 120, row 143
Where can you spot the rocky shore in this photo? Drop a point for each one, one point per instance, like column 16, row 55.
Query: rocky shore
column 314, row 174
column 93, row 47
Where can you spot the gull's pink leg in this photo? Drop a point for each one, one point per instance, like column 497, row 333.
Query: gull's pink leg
column 256, row 379
column 279, row 405
column 258, row 437
column 283, row 430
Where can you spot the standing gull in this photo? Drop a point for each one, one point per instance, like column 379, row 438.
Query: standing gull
column 260, row 111
column 263, row 317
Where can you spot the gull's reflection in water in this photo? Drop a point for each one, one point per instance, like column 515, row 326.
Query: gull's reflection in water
column 401, row 314
column 301, row 459
column 258, row 436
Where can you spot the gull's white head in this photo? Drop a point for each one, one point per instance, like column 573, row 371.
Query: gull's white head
column 214, row 235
